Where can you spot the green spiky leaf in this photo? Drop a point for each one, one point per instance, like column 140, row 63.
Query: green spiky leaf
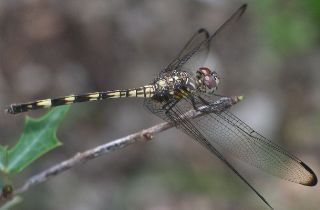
column 3, row 157
column 1, row 184
column 38, row 138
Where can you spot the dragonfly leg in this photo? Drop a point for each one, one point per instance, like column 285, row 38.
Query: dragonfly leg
column 197, row 104
column 218, row 95
column 168, row 107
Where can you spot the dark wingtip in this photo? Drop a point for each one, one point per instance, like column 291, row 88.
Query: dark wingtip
column 313, row 179
column 203, row 30
column 242, row 9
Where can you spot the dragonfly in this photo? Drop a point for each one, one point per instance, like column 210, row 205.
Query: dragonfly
column 185, row 84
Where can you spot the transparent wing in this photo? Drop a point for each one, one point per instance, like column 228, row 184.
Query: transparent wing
column 200, row 36
column 228, row 133
column 223, row 132
column 198, row 53
column 190, row 128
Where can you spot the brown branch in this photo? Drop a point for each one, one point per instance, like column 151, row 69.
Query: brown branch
column 144, row 135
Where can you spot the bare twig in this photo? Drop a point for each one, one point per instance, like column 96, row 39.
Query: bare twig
column 82, row 157
column 144, row 135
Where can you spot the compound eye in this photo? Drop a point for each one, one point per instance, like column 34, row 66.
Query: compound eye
column 205, row 71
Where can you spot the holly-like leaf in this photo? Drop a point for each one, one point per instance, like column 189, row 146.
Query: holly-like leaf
column 3, row 157
column 38, row 138
column 1, row 184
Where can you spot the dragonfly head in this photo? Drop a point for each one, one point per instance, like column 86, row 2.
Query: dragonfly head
column 207, row 80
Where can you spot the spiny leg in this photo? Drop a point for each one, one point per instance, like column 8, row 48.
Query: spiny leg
column 168, row 107
column 196, row 104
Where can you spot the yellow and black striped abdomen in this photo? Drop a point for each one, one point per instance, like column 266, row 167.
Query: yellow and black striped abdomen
column 143, row 92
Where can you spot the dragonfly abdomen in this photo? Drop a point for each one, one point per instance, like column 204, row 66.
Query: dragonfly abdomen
column 141, row 92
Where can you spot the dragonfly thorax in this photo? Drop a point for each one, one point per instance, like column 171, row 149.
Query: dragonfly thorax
column 177, row 84
column 207, row 81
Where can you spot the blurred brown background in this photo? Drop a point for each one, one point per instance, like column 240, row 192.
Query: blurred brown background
column 54, row 48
